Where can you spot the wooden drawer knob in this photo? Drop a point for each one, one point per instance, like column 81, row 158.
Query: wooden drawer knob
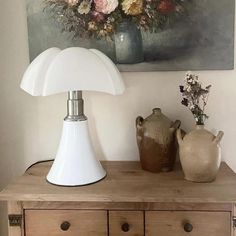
column 188, row 227
column 65, row 226
column 125, row 227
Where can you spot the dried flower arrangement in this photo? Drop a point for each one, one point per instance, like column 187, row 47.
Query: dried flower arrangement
column 99, row 18
column 195, row 97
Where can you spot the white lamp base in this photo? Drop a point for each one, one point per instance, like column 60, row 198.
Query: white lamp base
column 75, row 163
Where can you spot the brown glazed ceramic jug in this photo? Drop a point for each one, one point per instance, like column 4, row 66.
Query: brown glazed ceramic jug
column 200, row 154
column 156, row 141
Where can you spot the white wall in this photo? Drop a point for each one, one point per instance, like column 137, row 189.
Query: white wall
column 31, row 126
column 18, row 119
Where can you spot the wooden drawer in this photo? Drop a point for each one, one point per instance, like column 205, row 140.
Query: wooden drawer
column 128, row 223
column 180, row 223
column 49, row 223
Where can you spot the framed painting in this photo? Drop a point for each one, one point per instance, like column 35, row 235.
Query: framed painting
column 138, row 35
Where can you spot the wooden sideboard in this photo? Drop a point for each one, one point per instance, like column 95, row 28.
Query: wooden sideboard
column 128, row 202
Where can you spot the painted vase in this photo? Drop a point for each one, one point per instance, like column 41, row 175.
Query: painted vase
column 156, row 139
column 128, row 43
column 200, row 154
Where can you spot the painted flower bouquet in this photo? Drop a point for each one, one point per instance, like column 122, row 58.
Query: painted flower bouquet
column 99, row 18
column 195, row 97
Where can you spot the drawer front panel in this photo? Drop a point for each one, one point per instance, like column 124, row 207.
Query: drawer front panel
column 65, row 222
column 127, row 223
column 167, row 223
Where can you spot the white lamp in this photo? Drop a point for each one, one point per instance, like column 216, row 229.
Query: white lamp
column 73, row 70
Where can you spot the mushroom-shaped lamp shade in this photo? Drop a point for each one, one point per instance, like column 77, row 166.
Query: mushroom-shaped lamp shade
column 73, row 70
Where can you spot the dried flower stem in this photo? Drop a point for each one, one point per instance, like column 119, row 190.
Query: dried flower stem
column 195, row 97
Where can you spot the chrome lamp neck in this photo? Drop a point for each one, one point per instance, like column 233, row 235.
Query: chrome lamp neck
column 75, row 107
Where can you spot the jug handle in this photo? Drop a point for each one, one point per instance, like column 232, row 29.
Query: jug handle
column 176, row 124
column 139, row 121
column 179, row 136
column 218, row 137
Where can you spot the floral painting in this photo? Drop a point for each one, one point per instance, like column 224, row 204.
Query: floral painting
column 138, row 35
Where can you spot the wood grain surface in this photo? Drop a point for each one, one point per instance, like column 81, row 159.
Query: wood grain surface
column 48, row 222
column 167, row 223
column 134, row 219
column 125, row 183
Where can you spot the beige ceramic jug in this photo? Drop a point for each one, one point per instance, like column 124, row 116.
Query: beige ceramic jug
column 156, row 141
column 200, row 154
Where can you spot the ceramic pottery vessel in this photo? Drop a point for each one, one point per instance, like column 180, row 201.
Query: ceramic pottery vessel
column 200, row 154
column 156, row 141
